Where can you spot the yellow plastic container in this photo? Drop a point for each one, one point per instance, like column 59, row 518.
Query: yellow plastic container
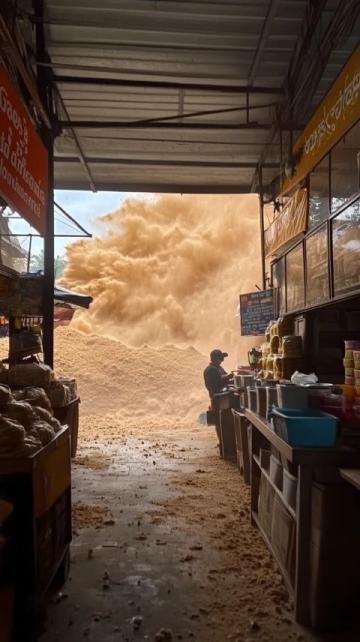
column 348, row 391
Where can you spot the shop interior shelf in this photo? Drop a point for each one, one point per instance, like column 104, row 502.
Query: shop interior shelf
column 276, row 489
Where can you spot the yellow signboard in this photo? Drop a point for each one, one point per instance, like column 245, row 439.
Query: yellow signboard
column 290, row 222
column 339, row 110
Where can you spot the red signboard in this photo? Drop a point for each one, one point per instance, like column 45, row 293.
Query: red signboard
column 23, row 159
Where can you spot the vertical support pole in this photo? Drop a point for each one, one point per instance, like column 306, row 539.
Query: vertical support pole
column 49, row 270
column 45, row 91
column 262, row 240
column 330, row 238
column 29, row 253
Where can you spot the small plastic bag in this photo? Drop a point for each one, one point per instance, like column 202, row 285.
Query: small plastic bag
column 301, row 379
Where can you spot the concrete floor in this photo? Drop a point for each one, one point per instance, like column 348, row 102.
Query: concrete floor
column 177, row 550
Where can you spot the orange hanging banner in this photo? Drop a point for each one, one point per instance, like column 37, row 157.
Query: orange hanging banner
column 23, row 158
column 337, row 113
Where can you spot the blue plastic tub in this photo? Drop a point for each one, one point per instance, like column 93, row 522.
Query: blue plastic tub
column 302, row 427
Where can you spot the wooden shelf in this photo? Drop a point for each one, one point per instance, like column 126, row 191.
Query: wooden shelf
column 307, row 461
column 343, row 457
column 276, row 489
column 235, row 411
column 285, row 574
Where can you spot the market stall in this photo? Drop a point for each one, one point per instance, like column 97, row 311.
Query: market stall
column 38, row 434
column 302, row 405
column 38, row 411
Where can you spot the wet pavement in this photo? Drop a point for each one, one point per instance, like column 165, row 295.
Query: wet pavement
column 163, row 540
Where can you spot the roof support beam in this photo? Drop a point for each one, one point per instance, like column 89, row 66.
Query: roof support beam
column 140, row 124
column 164, row 163
column 167, row 188
column 78, row 146
column 71, row 218
column 163, row 84
column 193, row 114
column 265, row 31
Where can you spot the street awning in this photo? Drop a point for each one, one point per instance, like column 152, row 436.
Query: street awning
column 74, row 298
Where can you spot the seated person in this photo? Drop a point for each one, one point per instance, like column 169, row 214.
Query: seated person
column 215, row 377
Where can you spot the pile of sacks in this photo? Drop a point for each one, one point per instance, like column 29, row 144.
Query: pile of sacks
column 26, row 421
column 60, row 391
column 28, row 394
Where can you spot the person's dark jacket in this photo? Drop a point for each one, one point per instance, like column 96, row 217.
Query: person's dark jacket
column 213, row 379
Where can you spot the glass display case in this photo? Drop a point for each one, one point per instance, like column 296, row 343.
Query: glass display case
column 346, row 250
column 317, row 268
column 345, row 168
column 278, row 280
column 319, row 193
column 325, row 264
column 295, row 291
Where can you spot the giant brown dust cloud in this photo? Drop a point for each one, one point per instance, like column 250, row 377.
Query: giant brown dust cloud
column 169, row 270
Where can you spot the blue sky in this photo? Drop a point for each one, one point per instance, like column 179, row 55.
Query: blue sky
column 84, row 207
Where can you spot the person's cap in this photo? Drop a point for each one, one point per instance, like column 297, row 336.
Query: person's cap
column 218, row 354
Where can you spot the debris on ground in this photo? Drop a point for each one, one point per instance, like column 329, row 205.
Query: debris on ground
column 173, row 503
column 90, row 515
column 136, row 622
column 164, row 635
column 60, row 597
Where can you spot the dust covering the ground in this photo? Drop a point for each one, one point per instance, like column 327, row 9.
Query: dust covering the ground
column 169, row 269
column 123, row 387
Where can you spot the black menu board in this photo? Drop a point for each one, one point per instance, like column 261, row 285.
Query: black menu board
column 256, row 310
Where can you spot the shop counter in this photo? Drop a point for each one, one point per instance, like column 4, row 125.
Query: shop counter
column 313, row 532
column 39, row 488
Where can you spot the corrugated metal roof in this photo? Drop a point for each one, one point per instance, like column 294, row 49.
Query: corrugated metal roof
column 122, row 62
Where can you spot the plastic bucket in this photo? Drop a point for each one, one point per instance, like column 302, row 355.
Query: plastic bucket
column 271, row 399
column 292, row 396
column 251, row 399
column 303, row 427
column 261, row 401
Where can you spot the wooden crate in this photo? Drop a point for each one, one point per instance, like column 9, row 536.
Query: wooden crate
column 69, row 416
column 39, row 488
column 227, row 432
